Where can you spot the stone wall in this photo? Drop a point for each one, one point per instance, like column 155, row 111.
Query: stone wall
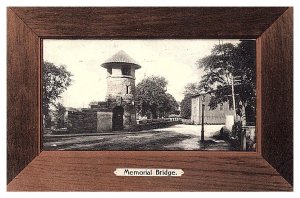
column 104, row 122
column 82, row 122
column 100, row 120
column 89, row 121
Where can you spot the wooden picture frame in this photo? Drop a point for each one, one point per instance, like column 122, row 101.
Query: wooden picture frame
column 270, row 168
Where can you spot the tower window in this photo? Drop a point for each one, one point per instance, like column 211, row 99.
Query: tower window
column 127, row 89
column 126, row 70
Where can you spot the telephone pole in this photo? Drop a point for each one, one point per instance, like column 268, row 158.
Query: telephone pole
column 202, row 123
column 233, row 96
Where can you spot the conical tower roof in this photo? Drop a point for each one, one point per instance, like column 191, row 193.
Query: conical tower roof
column 121, row 57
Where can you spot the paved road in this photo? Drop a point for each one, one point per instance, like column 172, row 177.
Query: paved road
column 177, row 137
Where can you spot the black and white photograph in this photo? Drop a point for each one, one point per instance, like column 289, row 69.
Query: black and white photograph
column 154, row 95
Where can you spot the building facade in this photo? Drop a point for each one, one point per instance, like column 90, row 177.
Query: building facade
column 223, row 114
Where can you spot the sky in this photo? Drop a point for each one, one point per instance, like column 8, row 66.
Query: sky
column 173, row 59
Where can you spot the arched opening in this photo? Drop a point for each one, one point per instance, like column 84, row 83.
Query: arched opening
column 117, row 119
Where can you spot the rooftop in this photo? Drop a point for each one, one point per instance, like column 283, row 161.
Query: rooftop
column 121, row 57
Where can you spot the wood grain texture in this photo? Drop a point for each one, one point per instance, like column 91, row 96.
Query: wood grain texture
column 277, row 95
column 203, row 171
column 22, row 95
column 135, row 23
column 258, row 96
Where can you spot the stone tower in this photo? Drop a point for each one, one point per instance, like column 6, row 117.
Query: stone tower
column 120, row 93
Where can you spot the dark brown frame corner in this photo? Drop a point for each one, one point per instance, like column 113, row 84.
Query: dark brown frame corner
column 268, row 169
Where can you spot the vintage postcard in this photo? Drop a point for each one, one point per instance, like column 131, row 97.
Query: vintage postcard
column 149, row 95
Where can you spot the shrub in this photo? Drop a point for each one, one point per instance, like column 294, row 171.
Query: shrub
column 237, row 131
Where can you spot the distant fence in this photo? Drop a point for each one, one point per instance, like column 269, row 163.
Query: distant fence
column 210, row 122
column 186, row 121
column 153, row 124
column 160, row 120
column 209, row 119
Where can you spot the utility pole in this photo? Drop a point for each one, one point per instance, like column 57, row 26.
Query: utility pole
column 202, row 127
column 243, row 132
column 233, row 96
column 202, row 123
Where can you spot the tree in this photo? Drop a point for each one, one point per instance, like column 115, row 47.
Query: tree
column 225, row 64
column 186, row 103
column 245, row 67
column 152, row 99
column 55, row 80
column 192, row 89
column 59, row 115
column 185, row 106
column 218, row 67
column 169, row 106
